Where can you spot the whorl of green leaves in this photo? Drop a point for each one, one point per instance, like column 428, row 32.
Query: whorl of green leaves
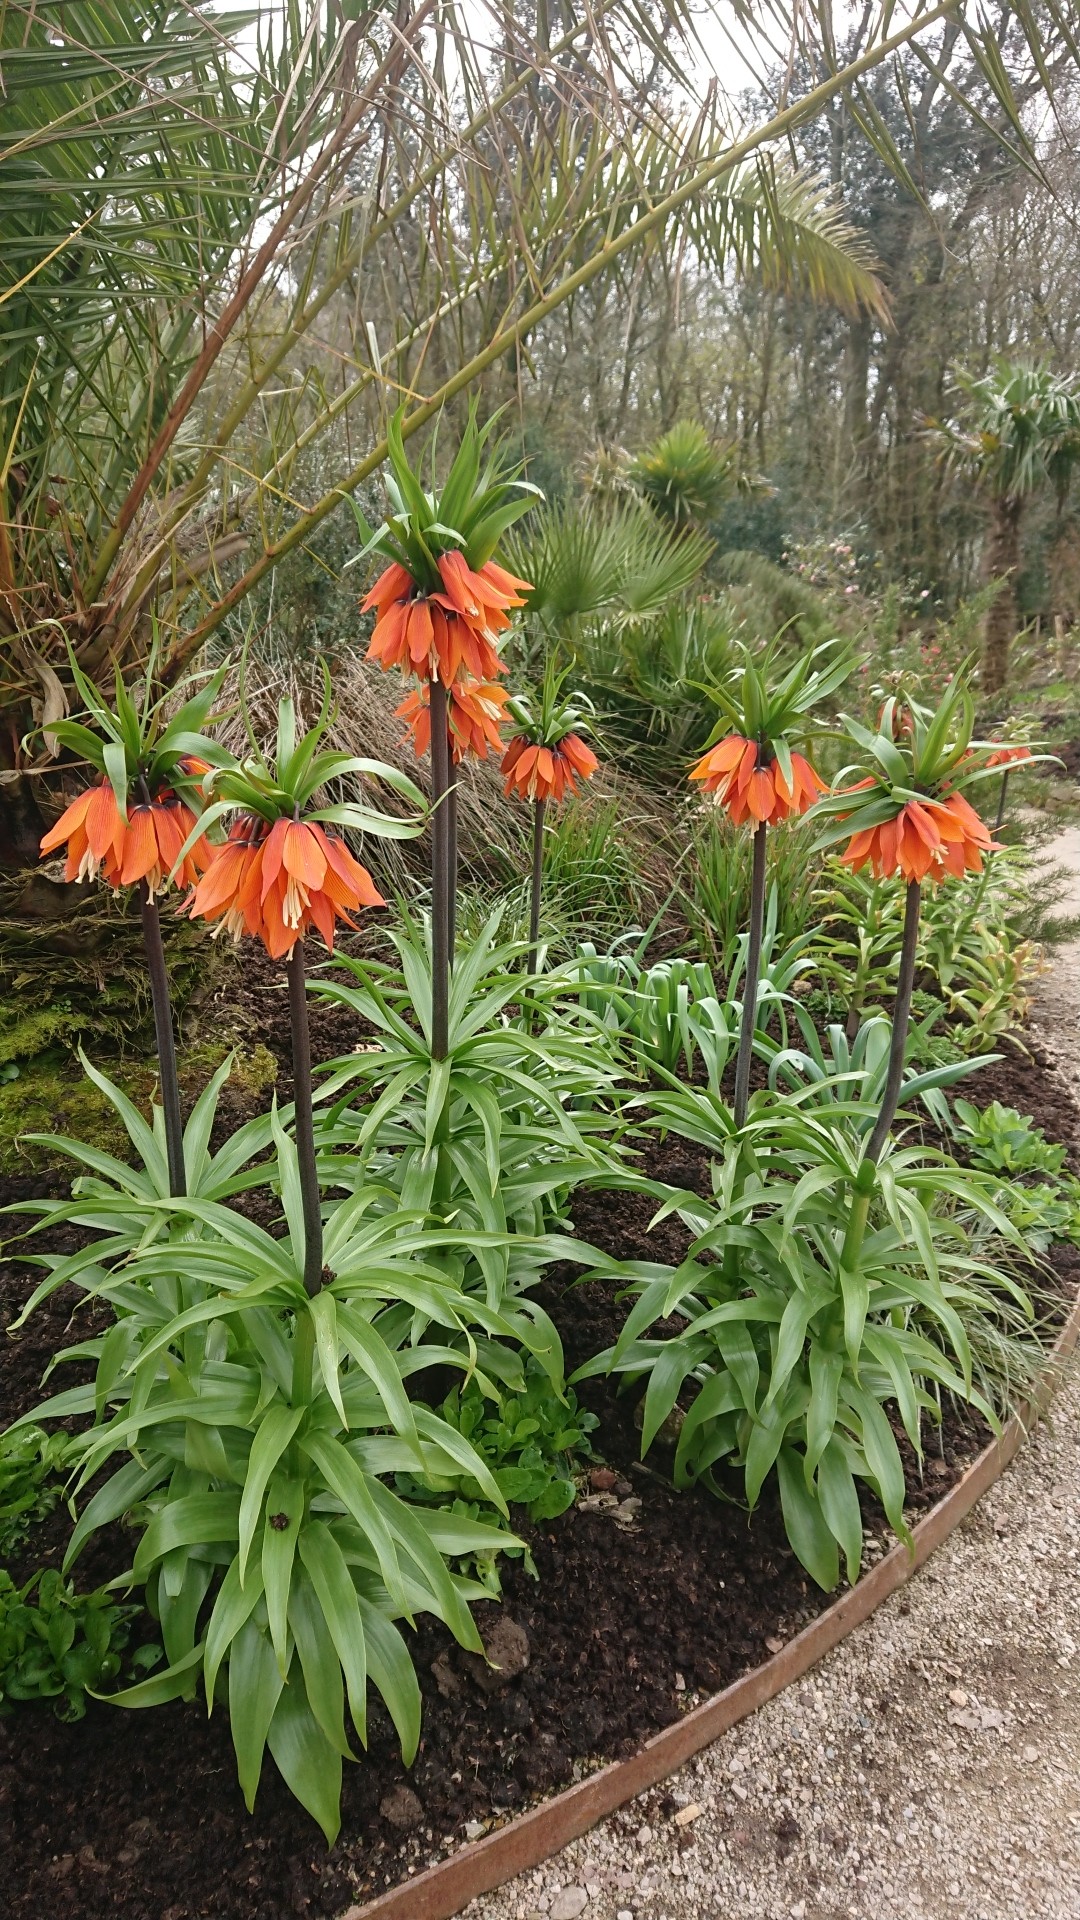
column 137, row 739
column 915, row 753
column 548, row 716
column 772, row 711
column 283, row 784
column 482, row 495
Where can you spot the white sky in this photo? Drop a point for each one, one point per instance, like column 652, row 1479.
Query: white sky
column 730, row 52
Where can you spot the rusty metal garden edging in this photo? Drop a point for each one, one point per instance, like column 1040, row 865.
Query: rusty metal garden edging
column 480, row 1866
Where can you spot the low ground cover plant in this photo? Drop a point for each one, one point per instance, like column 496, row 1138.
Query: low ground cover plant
column 58, row 1645
column 31, row 1462
column 533, row 1442
column 1041, row 1199
column 315, row 1423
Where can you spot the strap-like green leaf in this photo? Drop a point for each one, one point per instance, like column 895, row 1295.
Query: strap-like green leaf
column 277, row 1428
column 805, row 1524
column 255, row 1687
column 235, row 1602
column 335, row 1591
column 309, row 1763
column 392, row 1671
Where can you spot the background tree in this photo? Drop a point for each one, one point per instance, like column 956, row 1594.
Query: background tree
column 1022, row 434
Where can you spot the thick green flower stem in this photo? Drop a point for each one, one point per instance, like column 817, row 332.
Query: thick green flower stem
column 440, row 874
column 894, row 1079
column 305, row 1125
column 539, row 808
column 166, row 1041
column 750, row 977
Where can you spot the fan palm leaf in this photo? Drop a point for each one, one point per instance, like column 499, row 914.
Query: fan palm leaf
column 619, row 563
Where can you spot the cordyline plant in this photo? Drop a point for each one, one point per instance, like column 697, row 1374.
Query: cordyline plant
column 544, row 760
column 906, row 815
column 138, row 826
column 280, row 873
column 440, row 606
column 751, row 769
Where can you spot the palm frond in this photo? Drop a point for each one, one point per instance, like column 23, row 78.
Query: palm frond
column 619, row 562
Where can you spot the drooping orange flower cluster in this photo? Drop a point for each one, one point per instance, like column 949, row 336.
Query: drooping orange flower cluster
column 749, row 786
column 925, row 840
column 544, row 773
column 144, row 845
column 1009, row 756
column 474, row 709
column 445, row 636
column 275, row 881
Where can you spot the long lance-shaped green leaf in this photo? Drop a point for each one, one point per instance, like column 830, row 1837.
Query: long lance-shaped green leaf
column 516, row 331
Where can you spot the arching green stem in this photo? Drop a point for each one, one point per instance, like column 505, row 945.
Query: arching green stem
column 750, row 977
column 166, row 1041
column 894, row 1080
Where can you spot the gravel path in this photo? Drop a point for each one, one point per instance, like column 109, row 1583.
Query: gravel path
column 929, row 1767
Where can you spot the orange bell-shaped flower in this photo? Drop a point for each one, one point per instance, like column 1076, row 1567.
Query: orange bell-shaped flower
column 143, row 847
column 275, row 881
column 750, row 786
column 539, row 772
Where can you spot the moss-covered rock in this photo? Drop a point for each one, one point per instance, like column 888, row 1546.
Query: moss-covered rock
column 53, row 1096
column 49, row 1099
column 82, row 980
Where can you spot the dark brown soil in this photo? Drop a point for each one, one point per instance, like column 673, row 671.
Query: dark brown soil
column 137, row 1814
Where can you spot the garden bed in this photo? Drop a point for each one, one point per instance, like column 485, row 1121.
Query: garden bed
column 647, row 1603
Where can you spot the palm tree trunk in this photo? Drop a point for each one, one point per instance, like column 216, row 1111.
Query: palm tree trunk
column 1001, row 561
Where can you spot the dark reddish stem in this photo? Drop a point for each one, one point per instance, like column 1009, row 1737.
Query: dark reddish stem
column 890, row 1099
column 440, row 874
column 539, row 807
column 451, row 804
column 750, row 977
